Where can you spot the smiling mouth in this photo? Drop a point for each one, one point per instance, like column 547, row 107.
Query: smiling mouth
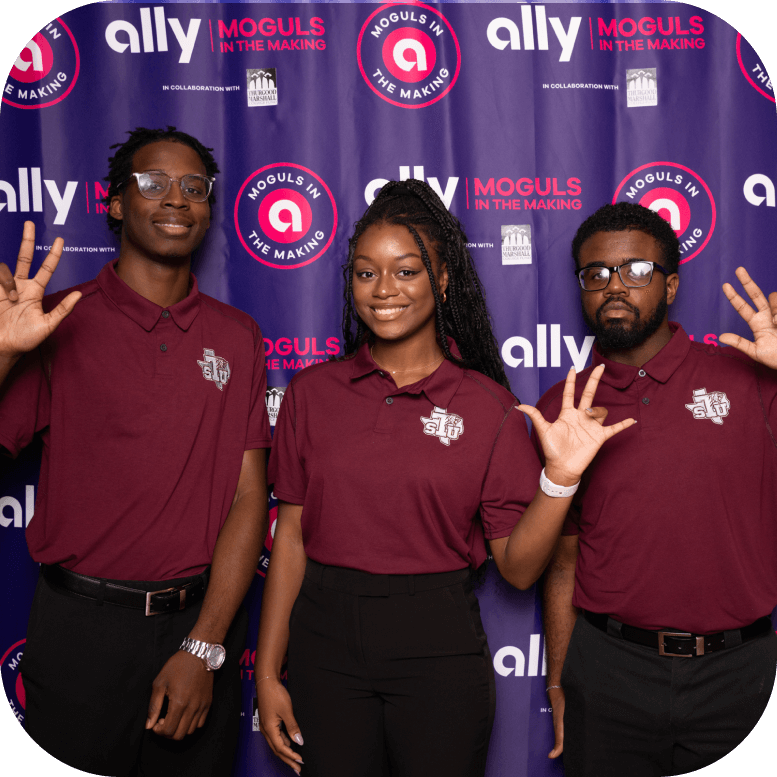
column 386, row 314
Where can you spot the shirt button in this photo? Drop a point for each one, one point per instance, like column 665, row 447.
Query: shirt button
column 645, row 401
column 642, row 373
column 389, row 400
column 165, row 314
column 163, row 347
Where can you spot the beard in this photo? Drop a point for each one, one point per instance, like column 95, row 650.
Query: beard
column 619, row 335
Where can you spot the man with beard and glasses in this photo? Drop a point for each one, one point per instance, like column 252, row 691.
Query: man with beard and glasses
column 669, row 551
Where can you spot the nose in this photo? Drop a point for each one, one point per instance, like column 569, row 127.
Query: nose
column 385, row 286
column 174, row 197
column 616, row 285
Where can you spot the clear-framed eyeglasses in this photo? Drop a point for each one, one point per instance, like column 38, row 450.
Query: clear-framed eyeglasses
column 632, row 274
column 154, row 185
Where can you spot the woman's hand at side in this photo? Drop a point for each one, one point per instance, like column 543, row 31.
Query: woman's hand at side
column 284, row 580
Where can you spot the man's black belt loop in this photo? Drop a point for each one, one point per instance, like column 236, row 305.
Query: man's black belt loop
column 154, row 598
column 678, row 644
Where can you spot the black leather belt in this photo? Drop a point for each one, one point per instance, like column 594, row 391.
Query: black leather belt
column 148, row 596
column 681, row 644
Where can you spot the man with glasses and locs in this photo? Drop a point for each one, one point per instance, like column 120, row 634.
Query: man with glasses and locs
column 656, row 601
column 152, row 505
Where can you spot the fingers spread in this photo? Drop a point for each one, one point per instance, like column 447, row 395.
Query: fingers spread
column 739, row 343
column 43, row 276
column 738, row 303
column 568, row 397
column 752, row 289
column 611, row 431
column 599, row 414
column 536, row 417
column 587, row 397
column 26, row 251
column 8, row 283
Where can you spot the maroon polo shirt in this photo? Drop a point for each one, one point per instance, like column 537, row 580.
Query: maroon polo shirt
column 145, row 414
column 391, row 479
column 677, row 516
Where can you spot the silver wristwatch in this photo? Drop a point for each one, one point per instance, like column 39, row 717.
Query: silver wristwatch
column 212, row 655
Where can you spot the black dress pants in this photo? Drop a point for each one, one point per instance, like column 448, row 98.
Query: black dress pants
column 632, row 712
column 87, row 671
column 386, row 678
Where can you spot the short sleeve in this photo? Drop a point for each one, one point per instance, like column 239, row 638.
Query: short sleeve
column 258, row 435
column 512, row 477
column 25, row 403
column 286, row 474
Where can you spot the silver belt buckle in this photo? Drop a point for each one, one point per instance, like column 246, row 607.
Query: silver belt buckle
column 182, row 599
column 662, row 651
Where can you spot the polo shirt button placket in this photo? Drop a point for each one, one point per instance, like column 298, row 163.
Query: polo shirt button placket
column 389, row 400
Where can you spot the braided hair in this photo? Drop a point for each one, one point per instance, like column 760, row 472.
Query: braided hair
column 463, row 315
column 120, row 164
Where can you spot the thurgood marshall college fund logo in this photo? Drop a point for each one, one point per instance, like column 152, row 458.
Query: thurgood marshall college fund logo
column 46, row 69
column 408, row 54
column 285, row 215
column 679, row 195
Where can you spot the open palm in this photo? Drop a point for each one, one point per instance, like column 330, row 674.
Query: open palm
column 762, row 321
column 572, row 441
column 23, row 324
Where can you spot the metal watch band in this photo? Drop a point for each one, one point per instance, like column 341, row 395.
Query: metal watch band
column 201, row 650
column 551, row 489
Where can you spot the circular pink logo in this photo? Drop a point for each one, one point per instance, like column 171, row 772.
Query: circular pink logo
column 753, row 69
column 285, row 215
column 680, row 196
column 46, row 69
column 409, row 54
column 34, row 62
column 10, row 665
column 670, row 205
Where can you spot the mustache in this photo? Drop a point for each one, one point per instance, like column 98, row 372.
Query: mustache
column 616, row 303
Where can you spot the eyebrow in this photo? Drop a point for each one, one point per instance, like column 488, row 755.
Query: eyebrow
column 627, row 261
column 396, row 259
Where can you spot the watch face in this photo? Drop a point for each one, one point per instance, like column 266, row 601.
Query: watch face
column 215, row 656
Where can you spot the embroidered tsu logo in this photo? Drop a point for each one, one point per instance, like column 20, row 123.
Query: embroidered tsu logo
column 714, row 405
column 443, row 425
column 214, row 368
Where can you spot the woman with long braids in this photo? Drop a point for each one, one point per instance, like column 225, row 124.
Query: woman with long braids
column 390, row 465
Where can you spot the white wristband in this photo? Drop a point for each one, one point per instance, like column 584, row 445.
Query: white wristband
column 551, row 489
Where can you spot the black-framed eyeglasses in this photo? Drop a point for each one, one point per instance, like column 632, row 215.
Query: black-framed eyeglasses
column 155, row 184
column 632, row 274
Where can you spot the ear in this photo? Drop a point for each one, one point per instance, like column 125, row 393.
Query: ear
column 115, row 207
column 672, row 284
column 442, row 279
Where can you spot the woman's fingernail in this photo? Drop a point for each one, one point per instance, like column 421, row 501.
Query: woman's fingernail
column 298, row 739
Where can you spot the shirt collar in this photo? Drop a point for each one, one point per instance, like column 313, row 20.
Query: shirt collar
column 439, row 387
column 142, row 311
column 661, row 367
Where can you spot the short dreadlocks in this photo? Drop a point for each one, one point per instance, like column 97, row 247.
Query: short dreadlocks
column 120, row 164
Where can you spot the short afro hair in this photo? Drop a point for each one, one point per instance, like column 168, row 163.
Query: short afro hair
column 120, row 164
column 623, row 217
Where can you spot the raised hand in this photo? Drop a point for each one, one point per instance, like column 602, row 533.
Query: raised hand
column 23, row 324
column 571, row 443
column 762, row 321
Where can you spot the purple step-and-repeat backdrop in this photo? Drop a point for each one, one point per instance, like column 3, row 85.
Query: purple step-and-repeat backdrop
column 524, row 117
